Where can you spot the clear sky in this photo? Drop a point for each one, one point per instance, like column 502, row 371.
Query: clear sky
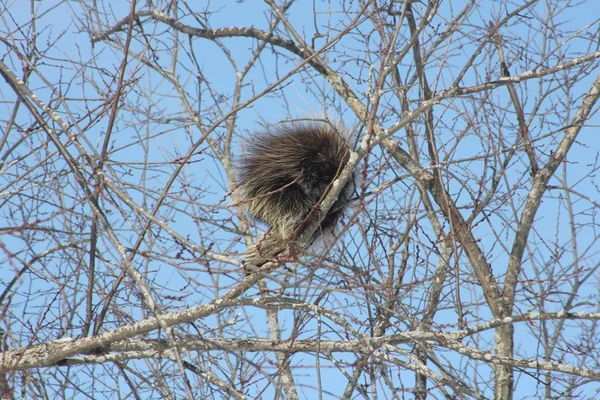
column 295, row 98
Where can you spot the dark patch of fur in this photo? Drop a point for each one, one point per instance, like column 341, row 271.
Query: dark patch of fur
column 287, row 171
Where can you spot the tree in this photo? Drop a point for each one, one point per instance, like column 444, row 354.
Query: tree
column 466, row 268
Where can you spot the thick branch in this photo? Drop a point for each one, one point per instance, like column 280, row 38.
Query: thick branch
column 539, row 187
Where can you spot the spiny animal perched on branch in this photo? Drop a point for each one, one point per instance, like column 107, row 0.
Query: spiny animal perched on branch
column 286, row 172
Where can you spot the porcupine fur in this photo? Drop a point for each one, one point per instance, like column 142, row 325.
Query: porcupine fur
column 286, row 171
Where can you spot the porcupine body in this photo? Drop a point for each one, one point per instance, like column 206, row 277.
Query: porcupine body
column 286, row 172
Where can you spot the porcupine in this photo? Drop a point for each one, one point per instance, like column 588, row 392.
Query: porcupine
column 286, row 171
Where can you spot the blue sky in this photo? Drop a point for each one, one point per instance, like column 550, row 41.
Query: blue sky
column 298, row 96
